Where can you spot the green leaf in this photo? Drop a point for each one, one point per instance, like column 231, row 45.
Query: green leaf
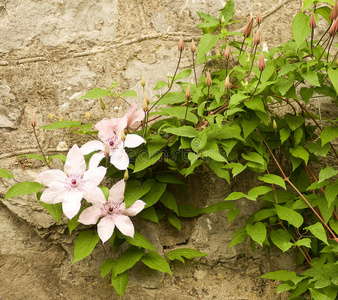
column 327, row 173
column 333, row 75
column 160, row 84
column 175, row 221
column 300, row 152
column 311, row 77
column 273, row 179
column 206, row 43
column 5, row 174
column 200, row 141
column 188, row 211
column 34, row 156
column 328, row 134
column 140, row 241
column 155, row 143
column 232, row 214
column 106, row 267
column 228, row 11
column 128, row 94
column 304, row 242
column 316, row 295
column 281, row 239
column 143, row 160
column 85, row 244
column 288, row 214
column 96, row 94
column 284, row 134
column 237, row 98
column 173, row 98
column 59, row 157
column 219, row 169
column 235, row 196
column 183, row 74
column 300, row 28
column 155, row 261
column 23, row 188
column 222, row 205
column 264, row 214
column 167, row 178
column 120, row 283
column 293, row 121
column 257, row 191
column 72, row 223
column 334, row 225
column 134, row 190
column 281, row 275
column 153, row 195
column 184, row 252
column 169, row 201
column 306, row 94
column 257, row 232
column 331, row 192
column 254, row 157
column 318, row 231
column 55, row 210
column 61, row 125
column 239, row 238
column 149, row 214
column 128, row 258
column 178, row 112
column 186, row 131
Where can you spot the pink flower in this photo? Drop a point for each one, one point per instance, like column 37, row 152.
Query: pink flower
column 110, row 135
column 75, row 183
column 134, row 115
column 113, row 213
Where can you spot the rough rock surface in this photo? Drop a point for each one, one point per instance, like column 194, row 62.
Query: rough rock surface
column 51, row 54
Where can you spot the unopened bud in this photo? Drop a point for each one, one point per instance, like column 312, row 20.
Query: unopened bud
column 193, row 46
column 143, row 82
column 145, row 105
column 227, row 83
column 274, row 124
column 116, row 109
column 261, row 62
column 332, row 28
column 87, row 115
column 50, row 116
column 145, row 97
column 227, row 52
column 248, row 28
column 222, row 20
column 123, row 136
column 126, row 175
column 218, row 54
column 181, row 44
column 106, row 151
column 188, row 93
column 208, row 80
column 334, row 12
column 33, row 121
column 61, row 119
column 103, row 107
column 313, row 21
column 259, row 18
column 257, row 38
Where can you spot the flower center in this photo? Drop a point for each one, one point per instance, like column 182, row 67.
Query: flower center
column 112, row 207
column 74, row 180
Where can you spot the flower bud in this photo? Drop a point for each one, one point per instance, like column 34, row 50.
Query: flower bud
column 61, row 119
column 193, row 46
column 181, row 44
column 143, row 82
column 188, row 93
column 332, row 28
column 87, row 115
column 123, row 136
column 248, row 28
column 218, row 54
column 106, row 150
column 227, row 83
column 208, row 80
column 33, row 121
column 126, row 175
column 261, row 62
column 313, row 21
column 227, row 52
column 334, row 12
column 116, row 109
column 50, row 116
column 145, row 105
column 145, row 98
column 274, row 124
column 222, row 20
column 257, row 38
column 259, row 18
column 103, row 107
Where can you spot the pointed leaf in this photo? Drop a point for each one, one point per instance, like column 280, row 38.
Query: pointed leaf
column 281, row 239
column 128, row 258
column 120, row 283
column 23, row 188
column 257, row 232
column 55, row 210
column 61, row 125
column 318, row 231
column 333, row 75
column 106, row 267
column 140, row 241
column 273, row 179
column 288, row 214
column 184, row 252
column 5, row 174
column 155, row 261
column 85, row 244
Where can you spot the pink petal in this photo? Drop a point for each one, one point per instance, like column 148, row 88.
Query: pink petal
column 107, row 128
column 54, row 194
column 93, row 194
column 135, row 208
column 133, row 141
column 75, row 162
column 90, row 215
column 125, row 225
column 49, row 176
column 92, row 146
column 71, row 203
column 136, row 116
column 119, row 158
column 105, row 228
column 94, row 175
column 116, row 193
column 96, row 159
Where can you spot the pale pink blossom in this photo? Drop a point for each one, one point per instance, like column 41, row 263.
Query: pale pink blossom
column 75, row 183
column 134, row 115
column 113, row 213
column 110, row 132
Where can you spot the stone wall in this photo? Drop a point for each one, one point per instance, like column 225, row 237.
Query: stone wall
column 52, row 53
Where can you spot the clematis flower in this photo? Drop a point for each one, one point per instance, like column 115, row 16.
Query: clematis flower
column 110, row 132
column 75, row 183
column 113, row 213
column 134, row 115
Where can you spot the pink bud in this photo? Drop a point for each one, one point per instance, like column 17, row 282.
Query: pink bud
column 193, row 46
column 248, row 28
column 188, row 93
column 334, row 12
column 259, row 18
column 313, row 21
column 332, row 28
column 33, row 121
column 261, row 62
column 227, row 83
column 208, row 81
column 227, row 52
column 181, row 44
column 257, row 38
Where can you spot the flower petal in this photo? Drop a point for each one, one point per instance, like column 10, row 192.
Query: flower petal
column 75, row 162
column 125, row 225
column 72, row 203
column 116, row 193
column 54, row 194
column 49, row 176
column 92, row 146
column 136, row 116
column 93, row 194
column 90, row 215
column 135, row 208
column 119, row 158
column 96, row 159
column 94, row 175
column 105, row 228
column 133, row 141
